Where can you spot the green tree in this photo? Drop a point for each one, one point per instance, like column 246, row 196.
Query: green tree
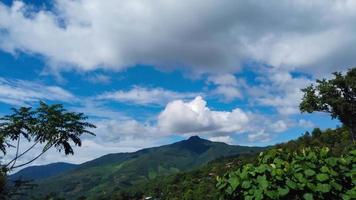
column 336, row 96
column 51, row 126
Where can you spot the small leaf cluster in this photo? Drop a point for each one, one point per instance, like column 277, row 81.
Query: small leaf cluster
column 310, row 173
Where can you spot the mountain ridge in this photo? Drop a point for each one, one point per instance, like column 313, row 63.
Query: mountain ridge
column 116, row 171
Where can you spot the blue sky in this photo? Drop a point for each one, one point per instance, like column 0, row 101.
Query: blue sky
column 146, row 77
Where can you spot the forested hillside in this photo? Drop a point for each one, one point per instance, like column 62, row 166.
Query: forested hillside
column 43, row 171
column 201, row 183
column 106, row 176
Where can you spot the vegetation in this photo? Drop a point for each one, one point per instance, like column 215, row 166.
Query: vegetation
column 49, row 125
column 308, row 173
column 201, row 183
column 335, row 96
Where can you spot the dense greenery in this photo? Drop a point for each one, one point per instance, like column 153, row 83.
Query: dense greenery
column 337, row 140
column 336, row 96
column 49, row 125
column 307, row 173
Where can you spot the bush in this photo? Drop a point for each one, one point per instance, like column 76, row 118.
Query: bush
column 304, row 174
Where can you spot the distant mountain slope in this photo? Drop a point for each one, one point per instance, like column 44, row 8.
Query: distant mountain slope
column 117, row 171
column 42, row 171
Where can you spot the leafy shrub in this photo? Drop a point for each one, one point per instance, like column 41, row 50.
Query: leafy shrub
column 304, row 174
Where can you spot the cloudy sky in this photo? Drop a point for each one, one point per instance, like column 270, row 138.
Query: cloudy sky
column 149, row 73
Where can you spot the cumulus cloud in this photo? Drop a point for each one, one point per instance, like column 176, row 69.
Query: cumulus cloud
column 203, row 36
column 145, row 96
column 195, row 117
column 19, row 92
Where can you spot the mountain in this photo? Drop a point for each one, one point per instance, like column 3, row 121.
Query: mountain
column 114, row 172
column 42, row 171
column 201, row 183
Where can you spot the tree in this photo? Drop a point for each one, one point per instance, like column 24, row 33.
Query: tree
column 49, row 125
column 336, row 96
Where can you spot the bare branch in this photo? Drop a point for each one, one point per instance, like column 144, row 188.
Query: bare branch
column 22, row 154
column 17, row 151
column 35, row 158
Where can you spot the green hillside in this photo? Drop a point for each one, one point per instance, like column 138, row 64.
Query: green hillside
column 115, row 172
column 201, row 183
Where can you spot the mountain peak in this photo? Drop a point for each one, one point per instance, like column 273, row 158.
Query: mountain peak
column 195, row 138
column 195, row 144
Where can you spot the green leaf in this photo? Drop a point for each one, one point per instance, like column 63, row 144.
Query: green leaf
column 353, row 152
column 234, row 182
column 308, row 196
column 258, row 194
column 246, row 184
column 324, row 188
column 272, row 194
column 322, row 177
column 324, row 169
column 309, row 172
column 331, row 161
column 291, row 184
column 283, row 191
column 262, row 181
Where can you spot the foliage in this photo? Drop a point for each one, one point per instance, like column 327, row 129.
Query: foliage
column 336, row 96
column 304, row 174
column 49, row 125
column 337, row 140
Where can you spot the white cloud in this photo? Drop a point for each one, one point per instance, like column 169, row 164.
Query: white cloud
column 145, row 96
column 99, row 78
column 260, row 136
column 195, row 117
column 228, row 87
column 119, row 130
column 306, row 123
column 202, row 35
column 279, row 126
column 19, row 92
column 226, row 139
column 280, row 90
column 229, row 93
column 223, row 79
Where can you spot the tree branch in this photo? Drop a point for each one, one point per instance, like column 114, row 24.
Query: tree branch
column 35, row 158
column 17, row 151
column 22, row 154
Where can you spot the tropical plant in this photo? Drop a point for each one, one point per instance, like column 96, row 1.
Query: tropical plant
column 49, row 125
column 304, row 174
column 336, row 96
